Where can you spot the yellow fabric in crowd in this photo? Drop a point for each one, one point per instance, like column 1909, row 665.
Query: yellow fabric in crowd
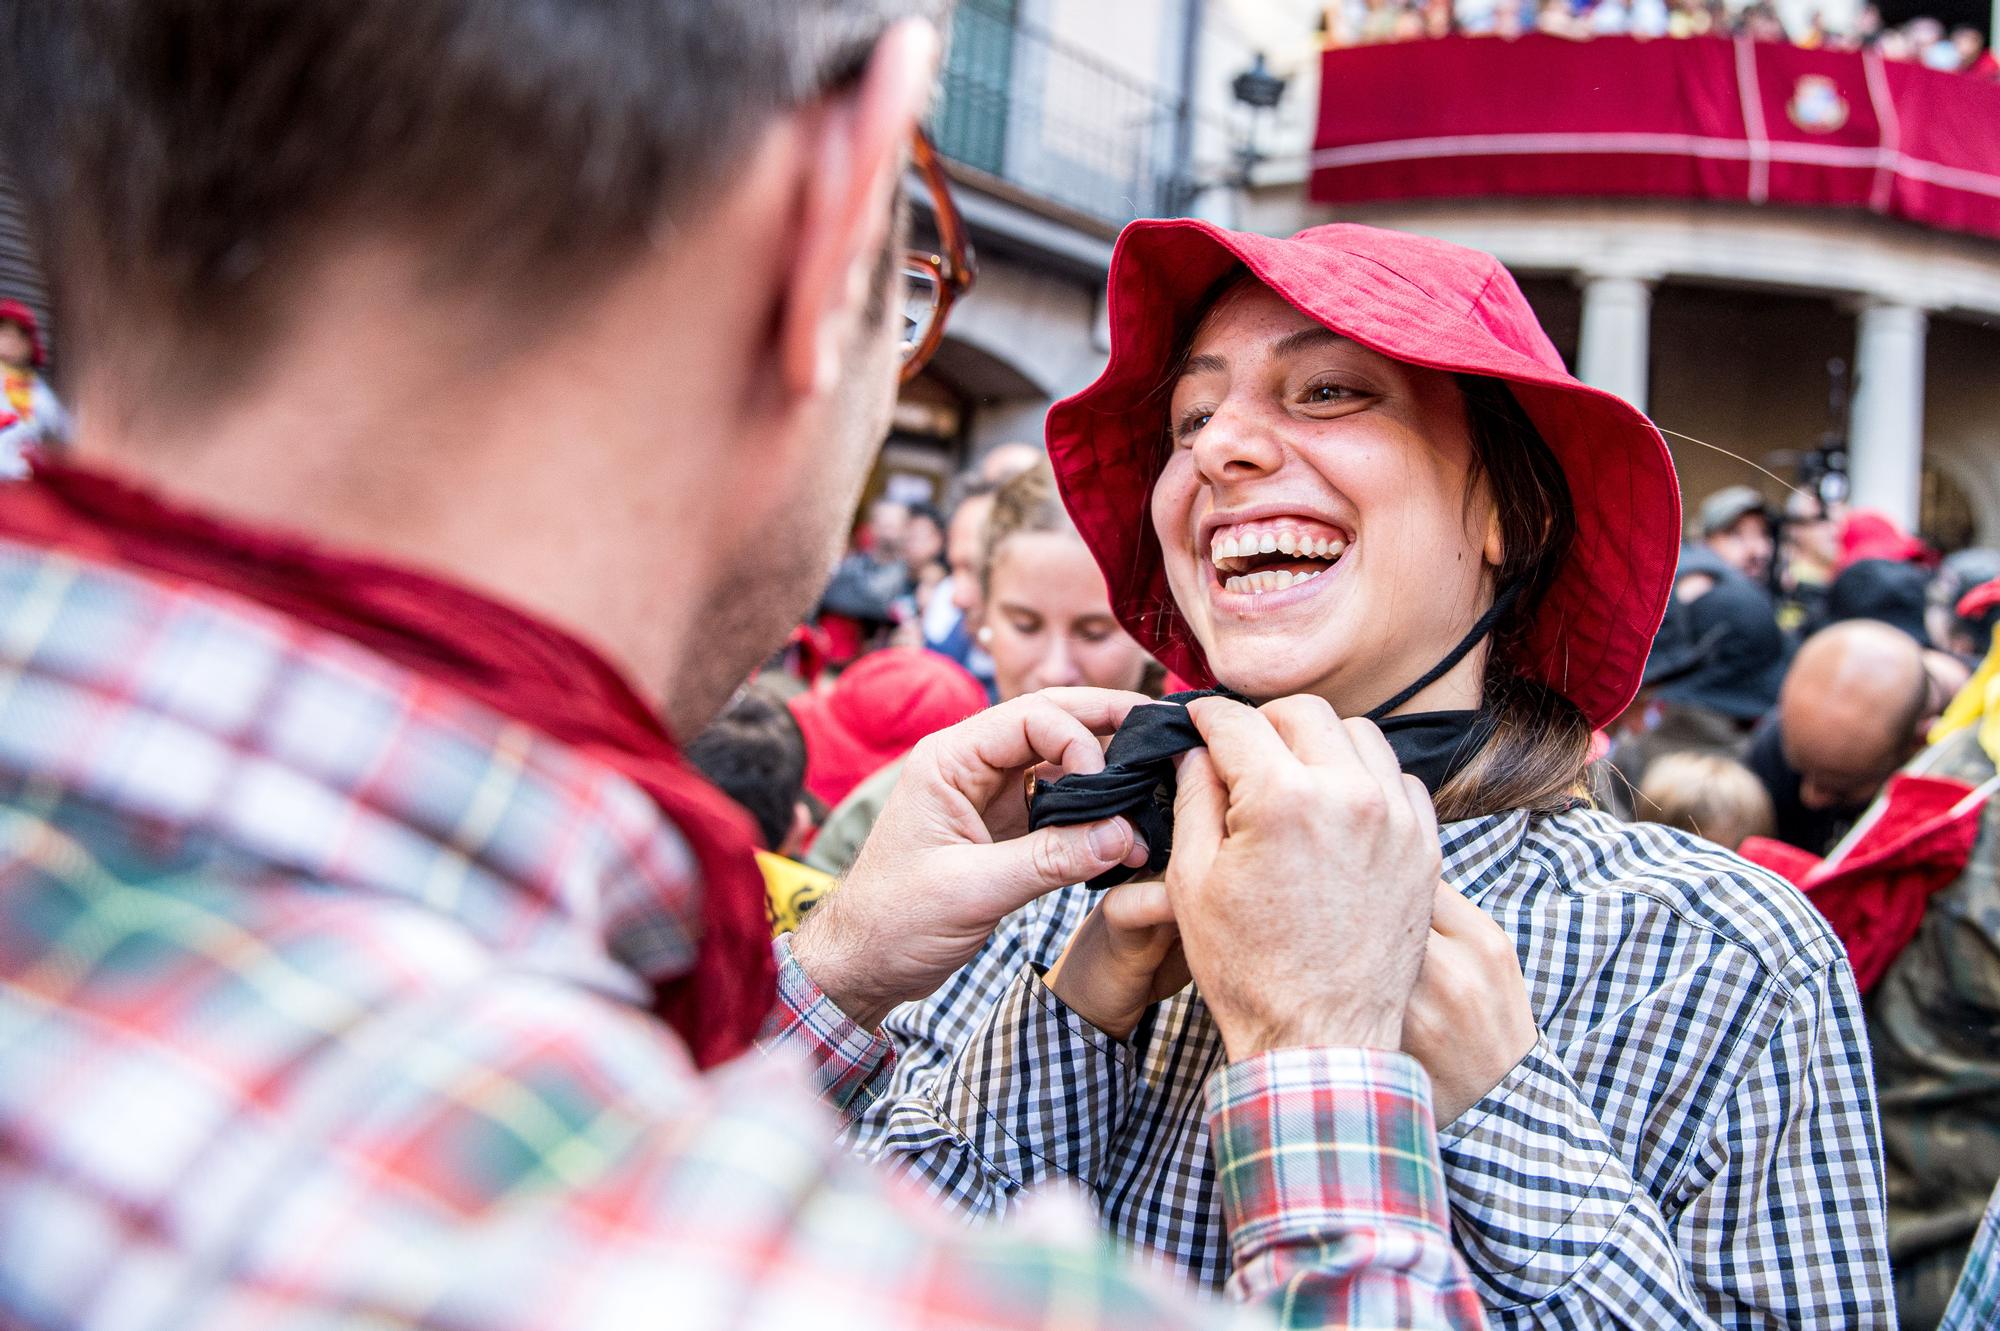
column 1978, row 703
column 790, row 890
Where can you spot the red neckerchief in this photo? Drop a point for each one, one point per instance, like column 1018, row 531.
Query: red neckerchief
column 500, row 657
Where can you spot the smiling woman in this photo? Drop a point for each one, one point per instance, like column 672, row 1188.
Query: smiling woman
column 1647, row 1054
column 1465, row 502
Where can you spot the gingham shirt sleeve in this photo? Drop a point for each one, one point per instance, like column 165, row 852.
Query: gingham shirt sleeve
column 850, row 1065
column 1975, row 1304
column 1782, row 1223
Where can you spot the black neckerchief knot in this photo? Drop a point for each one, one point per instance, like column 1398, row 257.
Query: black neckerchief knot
column 1138, row 780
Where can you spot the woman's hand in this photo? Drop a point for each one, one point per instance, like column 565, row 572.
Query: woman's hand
column 1123, row 958
column 1468, row 1021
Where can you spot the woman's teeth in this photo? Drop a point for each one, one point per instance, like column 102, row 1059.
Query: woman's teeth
column 1275, row 543
column 1256, row 584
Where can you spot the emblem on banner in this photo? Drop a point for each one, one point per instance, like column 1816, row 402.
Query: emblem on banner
column 1817, row 106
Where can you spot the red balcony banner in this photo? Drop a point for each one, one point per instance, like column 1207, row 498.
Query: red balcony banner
column 1703, row 118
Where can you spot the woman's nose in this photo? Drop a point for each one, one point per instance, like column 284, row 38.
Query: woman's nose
column 1233, row 446
column 1058, row 666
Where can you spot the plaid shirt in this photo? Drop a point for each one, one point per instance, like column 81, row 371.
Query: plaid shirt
column 323, row 1001
column 1975, row 1304
column 1691, row 1144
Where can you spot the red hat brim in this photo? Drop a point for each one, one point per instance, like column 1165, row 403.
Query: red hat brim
column 1416, row 300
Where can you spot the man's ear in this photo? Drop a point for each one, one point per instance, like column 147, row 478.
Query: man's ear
column 855, row 148
column 795, row 836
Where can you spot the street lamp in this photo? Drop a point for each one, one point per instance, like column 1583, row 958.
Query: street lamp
column 1260, row 90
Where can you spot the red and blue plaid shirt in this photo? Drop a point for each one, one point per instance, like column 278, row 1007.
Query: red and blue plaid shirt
column 321, row 1003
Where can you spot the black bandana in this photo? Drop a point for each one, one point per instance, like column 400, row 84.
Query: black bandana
column 1138, row 780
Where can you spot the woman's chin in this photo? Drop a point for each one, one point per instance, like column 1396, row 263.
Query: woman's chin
column 1261, row 681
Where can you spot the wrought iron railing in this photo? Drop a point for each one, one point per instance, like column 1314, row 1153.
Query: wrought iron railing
column 1055, row 120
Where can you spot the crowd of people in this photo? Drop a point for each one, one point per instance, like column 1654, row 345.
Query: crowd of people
column 1316, row 819
column 1921, row 40
column 1807, row 656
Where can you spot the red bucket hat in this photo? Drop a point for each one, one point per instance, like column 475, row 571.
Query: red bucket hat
column 876, row 711
column 1416, row 300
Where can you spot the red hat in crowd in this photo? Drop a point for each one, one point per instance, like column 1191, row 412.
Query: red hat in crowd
column 1417, row 300
column 878, row 708
column 1870, row 535
column 1979, row 600
column 14, row 312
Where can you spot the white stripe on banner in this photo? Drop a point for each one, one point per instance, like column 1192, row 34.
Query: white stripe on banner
column 1752, row 99
column 1887, row 124
column 1626, row 143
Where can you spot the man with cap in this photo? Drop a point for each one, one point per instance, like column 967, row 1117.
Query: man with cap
column 1735, row 525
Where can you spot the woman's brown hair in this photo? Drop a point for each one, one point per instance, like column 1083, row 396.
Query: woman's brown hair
column 1539, row 741
column 1030, row 503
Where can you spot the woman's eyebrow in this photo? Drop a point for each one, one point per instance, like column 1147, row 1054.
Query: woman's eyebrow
column 1306, row 339
column 1206, row 363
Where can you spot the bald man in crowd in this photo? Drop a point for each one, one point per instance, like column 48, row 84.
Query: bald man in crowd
column 1853, row 708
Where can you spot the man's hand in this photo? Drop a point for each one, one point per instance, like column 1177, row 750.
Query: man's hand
column 948, row 859
column 1302, row 876
column 1468, row 1022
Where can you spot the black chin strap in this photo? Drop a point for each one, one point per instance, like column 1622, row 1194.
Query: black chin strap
column 1473, row 637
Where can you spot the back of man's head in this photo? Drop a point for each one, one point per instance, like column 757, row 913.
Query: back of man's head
column 183, row 159
column 755, row 754
column 1853, row 710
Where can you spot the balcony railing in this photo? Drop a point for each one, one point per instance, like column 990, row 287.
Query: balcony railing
column 1056, row 121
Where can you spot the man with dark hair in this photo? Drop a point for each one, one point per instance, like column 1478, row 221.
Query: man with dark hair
column 369, row 954
column 755, row 754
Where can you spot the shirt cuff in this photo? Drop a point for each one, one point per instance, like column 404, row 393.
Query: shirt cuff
column 850, row 1064
column 1312, row 1145
column 1038, row 1091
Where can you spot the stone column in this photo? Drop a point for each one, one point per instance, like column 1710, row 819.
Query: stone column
column 1614, row 346
column 1886, row 438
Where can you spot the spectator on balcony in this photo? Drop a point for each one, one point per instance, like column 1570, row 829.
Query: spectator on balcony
column 1931, row 47
column 1689, row 18
column 1973, row 56
column 1688, row 1140
column 1608, row 18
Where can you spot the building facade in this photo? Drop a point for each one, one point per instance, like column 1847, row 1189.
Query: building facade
column 1755, row 332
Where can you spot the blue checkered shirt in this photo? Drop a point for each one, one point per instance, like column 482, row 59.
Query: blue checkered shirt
column 1692, row 1143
